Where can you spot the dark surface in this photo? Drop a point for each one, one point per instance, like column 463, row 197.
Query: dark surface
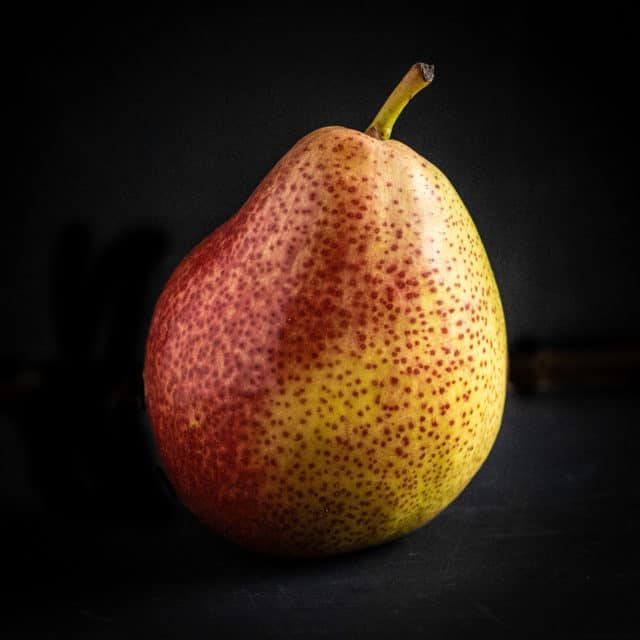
column 542, row 543
column 138, row 137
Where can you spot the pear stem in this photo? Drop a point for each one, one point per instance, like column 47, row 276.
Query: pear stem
column 417, row 78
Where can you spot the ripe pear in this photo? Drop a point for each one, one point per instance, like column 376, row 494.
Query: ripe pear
column 326, row 371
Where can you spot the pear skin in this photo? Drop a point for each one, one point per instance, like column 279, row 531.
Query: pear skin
column 327, row 370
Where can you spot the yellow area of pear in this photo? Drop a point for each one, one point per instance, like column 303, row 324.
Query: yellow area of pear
column 389, row 477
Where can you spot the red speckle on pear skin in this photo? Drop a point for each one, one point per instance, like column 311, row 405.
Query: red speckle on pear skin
column 297, row 353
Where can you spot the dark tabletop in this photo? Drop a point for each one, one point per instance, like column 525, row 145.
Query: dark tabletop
column 543, row 542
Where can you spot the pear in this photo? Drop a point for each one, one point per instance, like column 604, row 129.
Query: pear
column 326, row 371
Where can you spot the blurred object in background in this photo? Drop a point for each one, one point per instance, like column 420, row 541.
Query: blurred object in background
column 75, row 442
column 534, row 368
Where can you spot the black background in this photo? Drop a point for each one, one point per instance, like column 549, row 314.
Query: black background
column 136, row 137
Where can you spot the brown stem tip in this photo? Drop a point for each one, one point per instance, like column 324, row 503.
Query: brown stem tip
column 427, row 70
